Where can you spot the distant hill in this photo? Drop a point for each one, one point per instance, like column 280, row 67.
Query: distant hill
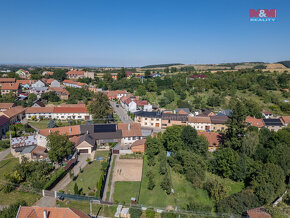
column 161, row 65
column 285, row 63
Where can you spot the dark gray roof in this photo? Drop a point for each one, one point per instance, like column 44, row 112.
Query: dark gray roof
column 155, row 114
column 3, row 120
column 107, row 135
column 178, row 117
column 97, row 128
column 184, row 109
column 272, row 122
column 87, row 138
column 225, row 112
column 218, row 119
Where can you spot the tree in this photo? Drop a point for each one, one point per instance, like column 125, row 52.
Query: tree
column 11, row 211
column 59, row 147
column 50, row 96
column 236, row 126
column 135, row 212
column 32, row 97
column 76, row 189
column 151, row 183
column 59, row 74
column 172, row 138
column 250, row 143
column 100, row 107
column 108, row 77
column 147, row 74
column 169, row 94
column 141, row 90
column 217, row 189
column 121, row 74
column 150, row 213
column 151, row 86
column 165, row 184
column 51, row 124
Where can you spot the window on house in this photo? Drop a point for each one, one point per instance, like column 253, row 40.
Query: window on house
column 62, row 116
column 145, row 124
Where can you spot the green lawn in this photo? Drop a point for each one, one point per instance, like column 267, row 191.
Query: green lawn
column 6, row 166
column 87, row 180
column 42, row 124
column 185, row 192
column 156, row 197
column 106, row 211
column 125, row 190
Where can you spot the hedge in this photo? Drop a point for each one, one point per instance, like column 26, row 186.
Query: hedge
column 55, row 178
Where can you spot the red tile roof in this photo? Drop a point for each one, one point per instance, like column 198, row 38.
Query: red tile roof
column 7, row 80
column 36, row 110
column 213, row 138
column 254, row 122
column 70, row 110
column 26, row 81
column 6, row 105
column 52, row 212
column 130, row 129
column 60, row 90
column 141, row 103
column 75, row 72
column 14, row 111
column 139, row 142
column 73, row 82
column 69, row 130
column 285, row 119
column 10, row 86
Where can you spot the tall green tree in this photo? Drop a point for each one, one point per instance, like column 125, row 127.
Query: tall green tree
column 59, row 147
column 121, row 74
column 100, row 107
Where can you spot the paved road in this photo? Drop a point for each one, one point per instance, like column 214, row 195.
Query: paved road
column 76, row 170
column 46, row 202
column 122, row 113
column 4, row 153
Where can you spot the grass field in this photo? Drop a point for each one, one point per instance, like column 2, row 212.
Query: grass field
column 106, row 211
column 87, row 180
column 156, row 197
column 42, row 124
column 6, row 166
column 125, row 190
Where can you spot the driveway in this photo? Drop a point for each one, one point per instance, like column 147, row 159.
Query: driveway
column 121, row 112
column 76, row 170
column 46, row 202
column 4, row 153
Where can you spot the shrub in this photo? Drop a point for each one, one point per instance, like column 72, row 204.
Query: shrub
column 55, row 178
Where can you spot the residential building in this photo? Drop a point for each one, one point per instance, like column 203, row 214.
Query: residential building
column 86, row 144
column 274, row 124
column 49, row 212
column 128, row 104
column 129, row 74
column 73, row 84
column 23, row 74
column 38, row 103
column 10, row 87
column 60, row 113
column 38, row 84
column 267, row 114
column 199, row 123
column 131, row 132
column 15, row 114
column 6, row 106
column 285, row 120
column 148, row 119
column 7, row 80
column 49, row 73
column 225, row 112
column 173, row 119
column 214, row 139
column 23, row 146
column 143, row 105
column 117, row 94
column 206, row 113
column 61, row 92
column 218, row 123
column 139, row 146
column 54, row 83
column 26, row 84
column 254, row 122
column 75, row 74
column 184, row 111
column 4, row 125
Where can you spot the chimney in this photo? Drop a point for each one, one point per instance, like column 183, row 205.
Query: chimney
column 70, row 130
column 129, row 126
column 49, row 131
column 44, row 214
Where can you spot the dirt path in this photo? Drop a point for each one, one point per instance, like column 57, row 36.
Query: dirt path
column 108, row 180
column 4, row 153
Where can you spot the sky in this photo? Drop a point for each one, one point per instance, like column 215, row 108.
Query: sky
column 141, row 32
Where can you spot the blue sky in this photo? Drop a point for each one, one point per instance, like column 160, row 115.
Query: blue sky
column 141, row 32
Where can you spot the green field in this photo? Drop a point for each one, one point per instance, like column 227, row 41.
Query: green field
column 106, row 211
column 42, row 124
column 156, row 197
column 6, row 166
column 124, row 191
column 87, row 180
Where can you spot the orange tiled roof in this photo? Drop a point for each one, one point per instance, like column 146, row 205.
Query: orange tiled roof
column 130, row 129
column 53, row 212
column 7, row 80
column 72, row 105
column 254, row 122
column 59, row 90
column 73, row 82
column 139, row 142
column 285, row 119
column 26, row 81
column 75, row 72
column 10, row 86
column 70, row 110
column 69, row 130
column 6, row 105
column 14, row 111
column 213, row 138
column 199, row 119
column 36, row 110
